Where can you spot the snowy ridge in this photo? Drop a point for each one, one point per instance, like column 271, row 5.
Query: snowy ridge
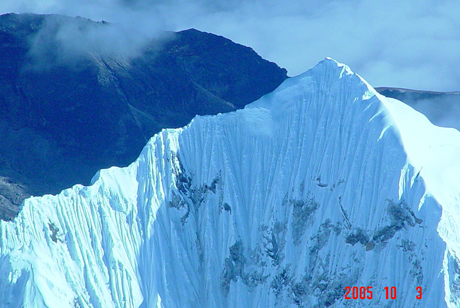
column 312, row 188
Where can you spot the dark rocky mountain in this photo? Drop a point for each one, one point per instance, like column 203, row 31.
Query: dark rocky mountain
column 441, row 108
column 65, row 116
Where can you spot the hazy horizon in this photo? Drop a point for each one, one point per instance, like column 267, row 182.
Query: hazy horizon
column 400, row 44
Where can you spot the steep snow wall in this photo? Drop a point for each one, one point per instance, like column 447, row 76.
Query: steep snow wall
column 313, row 188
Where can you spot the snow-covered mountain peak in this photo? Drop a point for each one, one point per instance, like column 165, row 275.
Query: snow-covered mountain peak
column 328, row 76
column 312, row 188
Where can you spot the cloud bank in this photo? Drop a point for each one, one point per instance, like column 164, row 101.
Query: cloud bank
column 64, row 40
column 408, row 44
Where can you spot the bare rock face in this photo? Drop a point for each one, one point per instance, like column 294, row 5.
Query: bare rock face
column 65, row 114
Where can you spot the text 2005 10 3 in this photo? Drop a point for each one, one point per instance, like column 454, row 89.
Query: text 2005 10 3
column 367, row 293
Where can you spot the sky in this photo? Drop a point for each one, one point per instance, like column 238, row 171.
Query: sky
column 394, row 43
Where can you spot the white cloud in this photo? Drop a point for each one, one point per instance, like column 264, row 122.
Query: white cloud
column 404, row 43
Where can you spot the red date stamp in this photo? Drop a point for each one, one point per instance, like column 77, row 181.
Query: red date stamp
column 367, row 293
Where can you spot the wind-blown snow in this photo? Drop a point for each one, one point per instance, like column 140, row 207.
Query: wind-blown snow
column 320, row 185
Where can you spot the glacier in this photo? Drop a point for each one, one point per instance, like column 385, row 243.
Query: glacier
column 319, row 185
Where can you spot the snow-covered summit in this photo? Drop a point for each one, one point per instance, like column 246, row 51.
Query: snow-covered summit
column 320, row 185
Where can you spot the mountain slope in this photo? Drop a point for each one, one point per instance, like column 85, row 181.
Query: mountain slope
column 441, row 108
column 68, row 111
column 310, row 189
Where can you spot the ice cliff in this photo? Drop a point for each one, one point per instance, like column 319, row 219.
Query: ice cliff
column 320, row 185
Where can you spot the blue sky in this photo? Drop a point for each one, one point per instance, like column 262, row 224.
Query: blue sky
column 405, row 43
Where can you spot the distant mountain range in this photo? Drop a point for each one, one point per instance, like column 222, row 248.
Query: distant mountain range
column 441, row 108
column 61, row 121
